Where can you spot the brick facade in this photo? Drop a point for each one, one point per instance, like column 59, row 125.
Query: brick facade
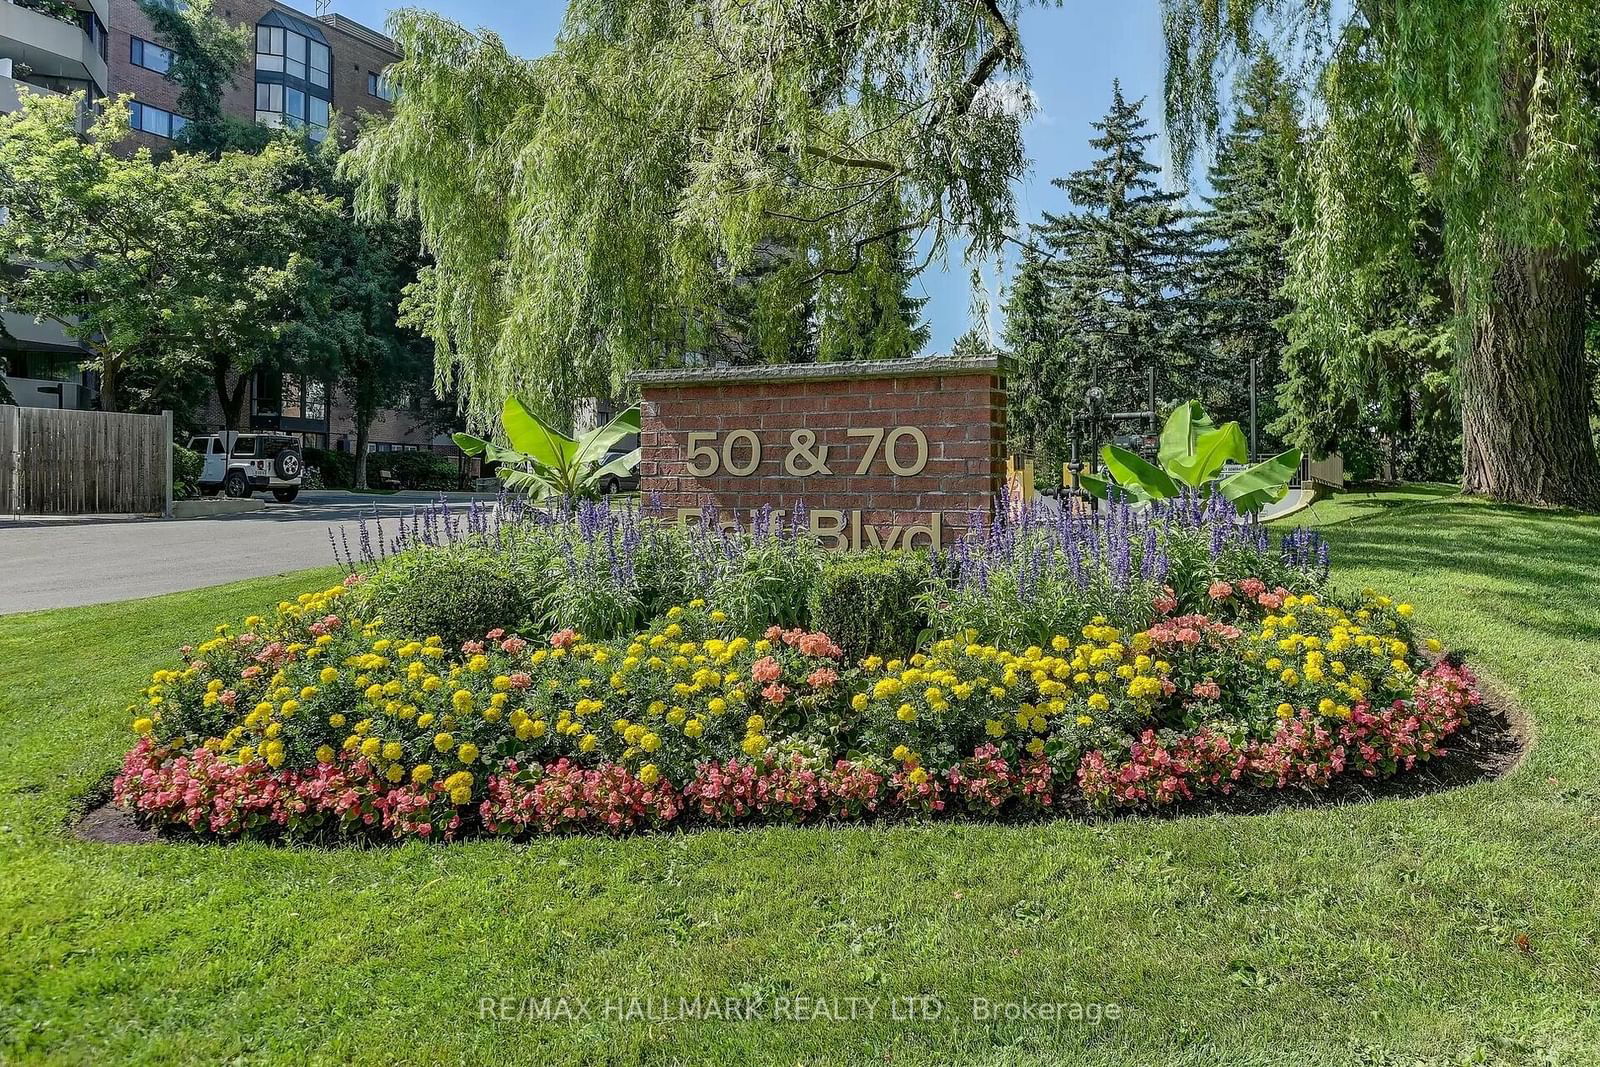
column 956, row 405
column 355, row 53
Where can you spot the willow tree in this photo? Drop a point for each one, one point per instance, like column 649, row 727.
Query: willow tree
column 587, row 211
column 1487, row 106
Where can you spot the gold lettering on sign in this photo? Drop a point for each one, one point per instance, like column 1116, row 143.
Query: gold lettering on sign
column 749, row 468
column 806, row 455
column 702, row 444
column 921, row 459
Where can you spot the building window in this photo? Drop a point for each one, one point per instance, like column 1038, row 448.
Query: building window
column 148, row 55
column 294, row 78
column 304, row 398
column 378, row 85
column 155, row 120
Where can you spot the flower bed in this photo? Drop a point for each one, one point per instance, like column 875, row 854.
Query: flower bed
column 317, row 723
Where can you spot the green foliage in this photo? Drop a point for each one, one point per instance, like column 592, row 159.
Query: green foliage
column 1248, row 226
column 168, row 266
column 1192, row 454
column 187, row 467
column 207, row 53
column 873, row 603
column 420, row 470
column 677, row 179
column 1494, row 137
column 545, row 463
column 770, row 584
column 337, row 469
column 459, row 592
column 1117, row 277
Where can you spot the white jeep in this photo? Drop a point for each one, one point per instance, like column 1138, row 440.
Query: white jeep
column 240, row 464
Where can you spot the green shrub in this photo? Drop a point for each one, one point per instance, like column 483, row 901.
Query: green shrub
column 872, row 603
column 187, row 467
column 770, row 584
column 415, row 470
column 459, row 592
column 337, row 470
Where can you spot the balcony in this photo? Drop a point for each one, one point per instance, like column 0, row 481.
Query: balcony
column 48, row 393
column 50, row 47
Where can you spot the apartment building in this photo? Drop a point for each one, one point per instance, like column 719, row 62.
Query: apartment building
column 305, row 72
column 304, row 69
column 48, row 46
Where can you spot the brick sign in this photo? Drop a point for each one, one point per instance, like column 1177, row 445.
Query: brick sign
column 881, row 454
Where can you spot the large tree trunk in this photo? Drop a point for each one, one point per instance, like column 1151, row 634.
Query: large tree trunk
column 362, row 425
column 1525, row 391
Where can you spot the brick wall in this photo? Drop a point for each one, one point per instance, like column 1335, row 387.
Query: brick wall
column 352, row 58
column 957, row 405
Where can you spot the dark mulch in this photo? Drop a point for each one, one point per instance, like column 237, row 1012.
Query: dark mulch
column 110, row 825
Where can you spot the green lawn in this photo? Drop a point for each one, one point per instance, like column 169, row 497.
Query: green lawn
column 1459, row 928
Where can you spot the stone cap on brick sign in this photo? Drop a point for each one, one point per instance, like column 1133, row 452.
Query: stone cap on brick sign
column 826, row 372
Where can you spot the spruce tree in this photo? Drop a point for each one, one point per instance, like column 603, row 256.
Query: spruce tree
column 1040, row 402
column 1248, row 226
column 1118, row 271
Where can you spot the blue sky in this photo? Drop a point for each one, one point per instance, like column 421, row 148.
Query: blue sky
column 1074, row 51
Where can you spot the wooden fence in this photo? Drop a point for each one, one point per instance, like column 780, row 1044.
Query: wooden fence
column 64, row 462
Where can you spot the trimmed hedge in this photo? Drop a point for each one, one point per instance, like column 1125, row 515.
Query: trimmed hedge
column 873, row 603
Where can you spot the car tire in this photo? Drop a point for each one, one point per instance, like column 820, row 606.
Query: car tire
column 288, row 465
column 285, row 496
column 236, row 484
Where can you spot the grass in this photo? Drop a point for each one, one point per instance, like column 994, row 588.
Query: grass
column 1457, row 928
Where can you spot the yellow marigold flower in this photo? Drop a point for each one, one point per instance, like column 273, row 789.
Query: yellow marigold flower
column 328, row 675
column 467, row 752
column 1036, row 746
column 650, row 741
column 461, row 795
column 371, row 746
column 324, row 754
column 1285, row 711
column 142, row 726
column 588, row 743
column 900, row 753
column 396, row 773
column 1099, row 702
column 649, row 774
column 443, row 742
column 694, row 728
column 755, row 724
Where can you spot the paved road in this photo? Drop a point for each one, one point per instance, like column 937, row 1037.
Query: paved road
column 61, row 564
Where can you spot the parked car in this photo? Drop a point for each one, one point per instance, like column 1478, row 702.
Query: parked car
column 240, row 464
column 620, row 483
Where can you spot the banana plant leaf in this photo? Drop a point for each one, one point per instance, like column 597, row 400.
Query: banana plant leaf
column 1266, row 483
column 593, row 445
column 620, row 466
column 1142, row 480
column 534, row 437
column 1182, row 431
column 1212, row 449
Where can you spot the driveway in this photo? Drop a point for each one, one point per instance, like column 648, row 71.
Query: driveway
column 60, row 563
